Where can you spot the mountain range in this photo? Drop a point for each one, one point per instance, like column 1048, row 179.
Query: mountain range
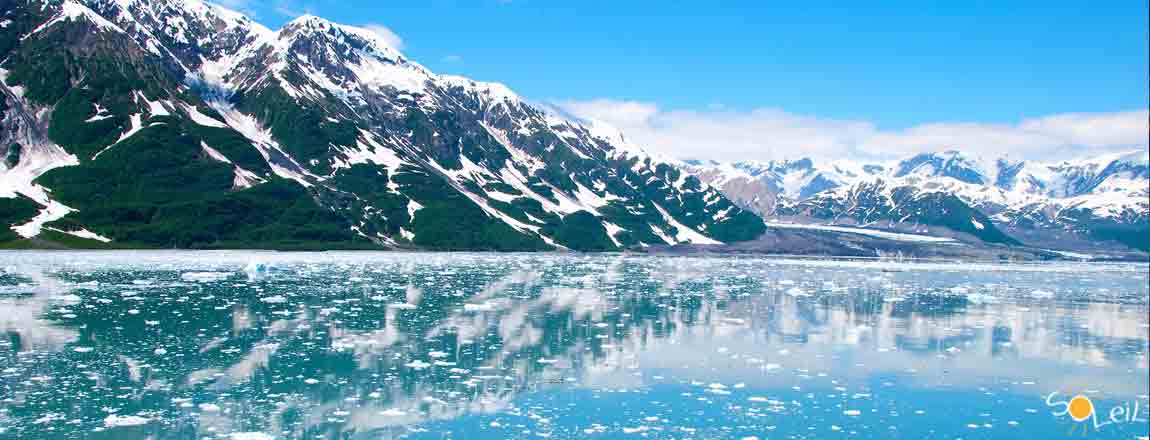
column 181, row 124
column 1100, row 202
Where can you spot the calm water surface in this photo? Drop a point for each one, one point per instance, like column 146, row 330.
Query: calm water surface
column 242, row 345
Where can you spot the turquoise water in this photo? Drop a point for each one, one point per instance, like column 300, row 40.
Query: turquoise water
column 243, row 345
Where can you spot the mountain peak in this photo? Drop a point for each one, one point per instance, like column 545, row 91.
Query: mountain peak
column 310, row 24
column 307, row 18
column 950, row 163
column 71, row 10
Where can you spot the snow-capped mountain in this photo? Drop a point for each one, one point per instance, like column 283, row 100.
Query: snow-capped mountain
column 179, row 123
column 1042, row 203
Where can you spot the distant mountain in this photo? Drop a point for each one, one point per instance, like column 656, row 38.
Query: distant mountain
column 177, row 123
column 1097, row 202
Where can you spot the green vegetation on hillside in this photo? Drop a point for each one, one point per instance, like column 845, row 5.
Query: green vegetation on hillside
column 159, row 189
column 449, row 221
column 14, row 212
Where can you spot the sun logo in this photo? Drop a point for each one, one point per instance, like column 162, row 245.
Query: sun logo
column 1085, row 414
column 1080, row 409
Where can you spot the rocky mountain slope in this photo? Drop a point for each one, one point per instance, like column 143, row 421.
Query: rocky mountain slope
column 1088, row 203
column 177, row 123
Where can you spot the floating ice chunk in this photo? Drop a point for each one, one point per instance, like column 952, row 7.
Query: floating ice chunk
column 255, row 270
column 797, row 292
column 114, row 420
column 160, row 351
column 417, row 365
column 311, row 381
column 275, row 299
column 393, row 413
column 205, row 277
column 485, row 307
column 852, row 412
column 981, row 298
column 209, row 407
column 251, row 436
column 82, row 349
column 413, row 295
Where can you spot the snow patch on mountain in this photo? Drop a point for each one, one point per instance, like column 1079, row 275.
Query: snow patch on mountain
column 71, row 10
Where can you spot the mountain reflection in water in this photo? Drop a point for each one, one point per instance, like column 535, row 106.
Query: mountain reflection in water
column 362, row 345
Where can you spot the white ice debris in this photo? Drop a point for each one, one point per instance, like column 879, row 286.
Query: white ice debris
column 393, row 413
column 251, row 436
column 205, row 277
column 114, row 420
column 484, row 307
column 417, row 365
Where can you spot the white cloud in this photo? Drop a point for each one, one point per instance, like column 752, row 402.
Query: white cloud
column 452, row 59
column 386, row 34
column 765, row 134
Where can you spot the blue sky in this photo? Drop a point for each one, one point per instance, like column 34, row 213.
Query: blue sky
column 896, row 67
